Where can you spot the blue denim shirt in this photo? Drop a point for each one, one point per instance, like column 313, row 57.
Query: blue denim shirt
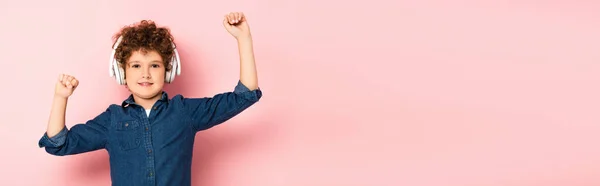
column 156, row 149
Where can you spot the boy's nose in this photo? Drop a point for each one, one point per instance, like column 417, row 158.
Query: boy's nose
column 146, row 73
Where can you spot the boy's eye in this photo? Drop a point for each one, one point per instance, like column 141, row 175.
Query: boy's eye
column 135, row 66
column 155, row 66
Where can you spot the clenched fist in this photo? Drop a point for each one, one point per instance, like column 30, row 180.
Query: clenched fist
column 65, row 86
column 237, row 25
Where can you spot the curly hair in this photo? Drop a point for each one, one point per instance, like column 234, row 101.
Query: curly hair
column 144, row 36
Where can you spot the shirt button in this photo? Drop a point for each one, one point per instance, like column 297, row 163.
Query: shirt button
column 154, row 108
column 150, row 174
column 126, row 124
column 149, row 151
column 146, row 128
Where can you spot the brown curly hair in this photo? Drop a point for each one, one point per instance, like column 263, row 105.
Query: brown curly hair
column 144, row 36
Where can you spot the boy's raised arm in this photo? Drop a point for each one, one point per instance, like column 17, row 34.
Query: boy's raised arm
column 58, row 140
column 64, row 88
column 208, row 112
column 237, row 25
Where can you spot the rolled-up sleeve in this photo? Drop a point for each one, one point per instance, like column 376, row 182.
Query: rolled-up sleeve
column 54, row 141
column 248, row 94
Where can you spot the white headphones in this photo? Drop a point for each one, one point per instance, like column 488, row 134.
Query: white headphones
column 119, row 73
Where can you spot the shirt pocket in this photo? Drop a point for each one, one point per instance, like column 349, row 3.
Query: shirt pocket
column 128, row 134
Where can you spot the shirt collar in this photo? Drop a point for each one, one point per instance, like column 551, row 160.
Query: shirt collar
column 129, row 101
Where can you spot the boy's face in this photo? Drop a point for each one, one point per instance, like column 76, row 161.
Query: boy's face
column 145, row 74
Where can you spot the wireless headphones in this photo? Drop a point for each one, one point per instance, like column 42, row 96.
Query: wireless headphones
column 119, row 73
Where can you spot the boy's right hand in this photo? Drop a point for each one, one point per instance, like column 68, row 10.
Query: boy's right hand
column 65, row 86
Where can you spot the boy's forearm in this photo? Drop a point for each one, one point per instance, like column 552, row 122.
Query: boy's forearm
column 248, row 75
column 57, row 116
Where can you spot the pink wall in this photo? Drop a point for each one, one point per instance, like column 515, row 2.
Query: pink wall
column 386, row 93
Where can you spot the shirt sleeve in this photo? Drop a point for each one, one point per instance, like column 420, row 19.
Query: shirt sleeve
column 210, row 111
column 83, row 137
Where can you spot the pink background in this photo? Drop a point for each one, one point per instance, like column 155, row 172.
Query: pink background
column 386, row 93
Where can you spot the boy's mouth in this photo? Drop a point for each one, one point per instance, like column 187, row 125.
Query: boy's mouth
column 145, row 84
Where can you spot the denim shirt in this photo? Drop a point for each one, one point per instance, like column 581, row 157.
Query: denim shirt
column 151, row 150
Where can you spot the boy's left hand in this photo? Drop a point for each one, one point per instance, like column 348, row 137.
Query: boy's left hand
column 237, row 25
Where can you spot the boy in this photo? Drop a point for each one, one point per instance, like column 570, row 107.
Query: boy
column 150, row 137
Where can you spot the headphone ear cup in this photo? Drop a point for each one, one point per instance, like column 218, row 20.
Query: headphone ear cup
column 122, row 79
column 175, row 66
column 119, row 73
column 116, row 72
column 115, row 69
column 173, row 69
column 168, row 77
column 178, row 62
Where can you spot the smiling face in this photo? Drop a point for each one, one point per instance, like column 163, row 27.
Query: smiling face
column 145, row 75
